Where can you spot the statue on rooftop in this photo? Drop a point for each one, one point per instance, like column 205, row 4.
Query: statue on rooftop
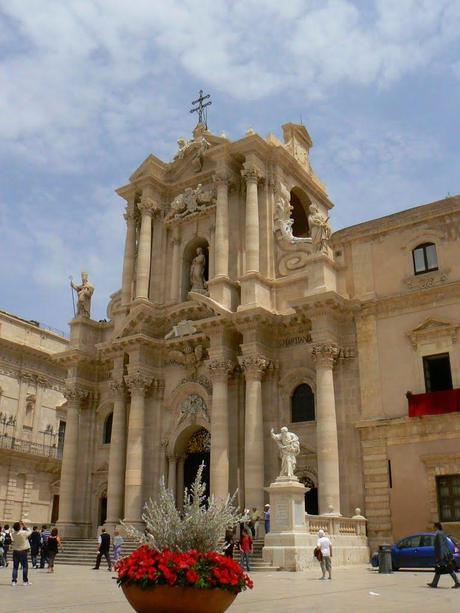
column 84, row 292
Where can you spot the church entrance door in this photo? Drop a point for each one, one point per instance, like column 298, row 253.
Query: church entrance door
column 197, row 452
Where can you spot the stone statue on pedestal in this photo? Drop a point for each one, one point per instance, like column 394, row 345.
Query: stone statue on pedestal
column 289, row 447
column 84, row 292
column 197, row 280
column 319, row 228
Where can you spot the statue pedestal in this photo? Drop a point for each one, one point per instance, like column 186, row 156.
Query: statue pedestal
column 287, row 544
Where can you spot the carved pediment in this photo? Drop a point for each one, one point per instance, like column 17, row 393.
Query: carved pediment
column 432, row 328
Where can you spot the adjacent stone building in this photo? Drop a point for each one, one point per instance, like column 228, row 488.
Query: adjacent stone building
column 32, row 420
column 240, row 312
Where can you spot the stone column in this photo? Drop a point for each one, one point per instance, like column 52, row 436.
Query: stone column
column 69, row 465
column 252, row 176
column 326, row 430
column 180, row 483
column 219, row 371
column 147, row 207
column 129, row 255
column 138, row 384
column 25, row 379
column 254, row 464
column 172, row 461
column 117, row 455
column 221, row 239
column 175, row 264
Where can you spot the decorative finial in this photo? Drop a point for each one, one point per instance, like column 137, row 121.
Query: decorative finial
column 201, row 108
column 250, row 132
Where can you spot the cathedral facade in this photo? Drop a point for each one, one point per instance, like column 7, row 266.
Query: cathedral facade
column 240, row 312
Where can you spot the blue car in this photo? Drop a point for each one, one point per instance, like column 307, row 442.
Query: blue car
column 417, row 551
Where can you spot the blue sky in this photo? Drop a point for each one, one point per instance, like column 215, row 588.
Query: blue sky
column 89, row 88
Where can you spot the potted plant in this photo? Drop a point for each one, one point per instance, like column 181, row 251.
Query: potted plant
column 177, row 567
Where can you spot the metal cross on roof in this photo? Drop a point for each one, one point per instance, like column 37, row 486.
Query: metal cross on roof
column 201, row 108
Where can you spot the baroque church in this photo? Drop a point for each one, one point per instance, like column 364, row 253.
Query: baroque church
column 240, row 311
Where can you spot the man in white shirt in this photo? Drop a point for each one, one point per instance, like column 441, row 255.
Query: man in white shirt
column 21, row 546
column 325, row 547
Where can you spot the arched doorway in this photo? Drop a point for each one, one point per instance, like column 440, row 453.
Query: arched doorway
column 311, row 497
column 197, row 451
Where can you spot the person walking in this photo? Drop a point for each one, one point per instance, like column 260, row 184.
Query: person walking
column 245, row 547
column 44, row 550
column 117, row 543
column 20, row 545
column 324, row 546
column 6, row 542
column 104, row 550
column 267, row 518
column 53, row 545
column 444, row 558
column 2, row 559
column 254, row 522
column 35, row 540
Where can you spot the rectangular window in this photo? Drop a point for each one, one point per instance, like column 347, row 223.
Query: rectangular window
column 448, row 487
column 61, row 435
column 438, row 376
column 419, row 260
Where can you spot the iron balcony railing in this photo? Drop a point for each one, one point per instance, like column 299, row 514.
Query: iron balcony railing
column 31, row 447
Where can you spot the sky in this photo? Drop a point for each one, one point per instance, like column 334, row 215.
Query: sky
column 89, row 88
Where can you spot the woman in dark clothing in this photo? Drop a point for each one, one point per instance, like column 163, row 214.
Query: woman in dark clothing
column 35, row 540
column 229, row 544
column 53, row 546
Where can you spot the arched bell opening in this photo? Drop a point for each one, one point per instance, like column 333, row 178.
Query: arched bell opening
column 300, row 204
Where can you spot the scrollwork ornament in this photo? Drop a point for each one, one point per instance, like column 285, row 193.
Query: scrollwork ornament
column 138, row 382
column 148, row 206
column 325, row 354
column 254, row 366
column 251, row 174
column 219, row 370
column 74, row 393
column 117, row 386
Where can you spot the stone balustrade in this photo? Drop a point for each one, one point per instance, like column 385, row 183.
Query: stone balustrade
column 335, row 525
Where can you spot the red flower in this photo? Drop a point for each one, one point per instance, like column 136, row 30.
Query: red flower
column 192, row 576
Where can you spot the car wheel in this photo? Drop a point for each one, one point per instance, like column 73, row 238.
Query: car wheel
column 394, row 568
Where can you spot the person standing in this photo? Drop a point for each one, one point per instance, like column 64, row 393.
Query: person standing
column 444, row 558
column 117, row 543
column 325, row 547
column 2, row 559
column 245, row 549
column 267, row 518
column 35, row 540
column 53, row 546
column 254, row 522
column 104, row 550
column 44, row 550
column 229, row 544
column 20, row 545
column 6, row 542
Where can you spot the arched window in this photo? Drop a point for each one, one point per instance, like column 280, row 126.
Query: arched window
column 303, row 404
column 108, row 429
column 300, row 205
column 425, row 258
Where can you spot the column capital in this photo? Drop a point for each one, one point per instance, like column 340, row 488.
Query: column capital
column 117, row 385
column 221, row 179
column 219, row 370
column 148, row 206
column 254, row 366
column 129, row 214
column 251, row 173
column 325, row 354
column 74, row 392
column 138, row 381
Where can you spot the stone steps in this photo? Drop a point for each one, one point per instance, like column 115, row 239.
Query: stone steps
column 83, row 552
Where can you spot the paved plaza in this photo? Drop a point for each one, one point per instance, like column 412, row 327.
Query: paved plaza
column 353, row 590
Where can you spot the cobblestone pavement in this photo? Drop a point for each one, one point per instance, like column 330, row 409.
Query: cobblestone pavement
column 352, row 590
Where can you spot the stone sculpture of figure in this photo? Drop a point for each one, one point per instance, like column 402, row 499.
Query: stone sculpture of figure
column 197, row 280
column 289, row 447
column 183, row 145
column 84, row 292
column 319, row 228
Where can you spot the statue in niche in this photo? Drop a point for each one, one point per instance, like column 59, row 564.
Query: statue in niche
column 289, row 446
column 319, row 228
column 84, row 292
column 197, row 280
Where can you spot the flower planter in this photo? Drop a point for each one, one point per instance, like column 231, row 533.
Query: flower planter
column 175, row 599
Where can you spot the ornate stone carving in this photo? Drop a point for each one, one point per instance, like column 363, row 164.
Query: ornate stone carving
column 75, row 393
column 196, row 147
column 189, row 356
column 320, row 229
column 289, row 447
column 191, row 407
column 254, row 366
column 325, row 354
column 427, row 280
column 192, row 201
column 148, row 206
column 117, row 385
column 282, row 217
column 251, row 173
column 84, row 292
column 200, row 442
column 219, row 370
column 431, row 329
column 184, row 327
column 138, row 381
